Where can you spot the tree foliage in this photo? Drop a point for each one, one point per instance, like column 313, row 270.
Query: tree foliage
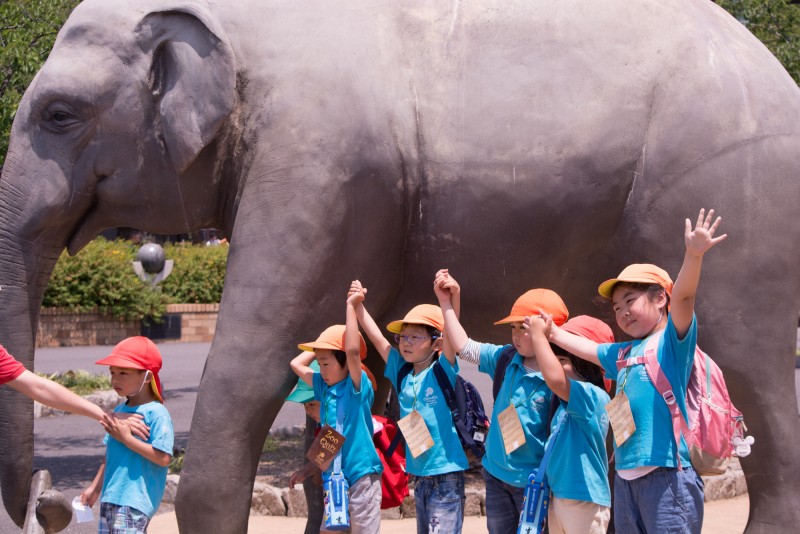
column 776, row 23
column 28, row 29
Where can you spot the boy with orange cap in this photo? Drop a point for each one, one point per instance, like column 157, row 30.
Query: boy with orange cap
column 578, row 467
column 134, row 473
column 345, row 391
column 518, row 431
column 438, row 470
column 650, row 464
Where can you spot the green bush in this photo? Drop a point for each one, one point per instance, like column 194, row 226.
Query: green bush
column 80, row 382
column 101, row 275
column 198, row 275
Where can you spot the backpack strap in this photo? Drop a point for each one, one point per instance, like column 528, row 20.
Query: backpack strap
column 664, row 388
column 449, row 393
column 402, row 372
column 542, row 469
column 500, row 369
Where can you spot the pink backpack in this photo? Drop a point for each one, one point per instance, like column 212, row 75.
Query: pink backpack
column 714, row 422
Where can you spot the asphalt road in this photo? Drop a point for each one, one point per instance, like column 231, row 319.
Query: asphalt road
column 70, row 446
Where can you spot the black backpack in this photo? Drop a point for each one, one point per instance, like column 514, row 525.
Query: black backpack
column 465, row 404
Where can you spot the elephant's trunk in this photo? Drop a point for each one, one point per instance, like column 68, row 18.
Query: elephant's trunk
column 25, row 267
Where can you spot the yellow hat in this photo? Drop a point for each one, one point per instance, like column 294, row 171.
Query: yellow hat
column 333, row 338
column 424, row 314
column 638, row 273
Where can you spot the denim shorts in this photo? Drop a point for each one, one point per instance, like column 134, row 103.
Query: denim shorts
column 439, row 503
column 664, row 501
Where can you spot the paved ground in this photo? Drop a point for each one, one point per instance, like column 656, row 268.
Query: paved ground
column 70, row 446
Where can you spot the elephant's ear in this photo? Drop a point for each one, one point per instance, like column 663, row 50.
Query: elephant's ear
column 192, row 78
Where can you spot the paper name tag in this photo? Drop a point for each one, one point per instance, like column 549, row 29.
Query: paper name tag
column 511, row 429
column 621, row 418
column 416, row 432
column 325, row 448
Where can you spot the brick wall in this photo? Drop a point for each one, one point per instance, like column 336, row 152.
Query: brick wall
column 60, row 327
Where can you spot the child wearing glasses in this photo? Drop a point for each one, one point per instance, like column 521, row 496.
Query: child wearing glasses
column 434, row 455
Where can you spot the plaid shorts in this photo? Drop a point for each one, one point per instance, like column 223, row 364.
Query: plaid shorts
column 121, row 520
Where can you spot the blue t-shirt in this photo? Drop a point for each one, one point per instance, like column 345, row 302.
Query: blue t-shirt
column 447, row 454
column 130, row 479
column 531, row 396
column 578, row 467
column 653, row 442
column 358, row 452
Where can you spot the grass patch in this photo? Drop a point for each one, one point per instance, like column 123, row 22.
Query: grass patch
column 80, row 382
column 176, row 464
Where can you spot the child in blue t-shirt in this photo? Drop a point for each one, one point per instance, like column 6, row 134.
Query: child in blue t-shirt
column 342, row 379
column 134, row 473
column 518, row 430
column 578, row 467
column 439, row 470
column 656, row 490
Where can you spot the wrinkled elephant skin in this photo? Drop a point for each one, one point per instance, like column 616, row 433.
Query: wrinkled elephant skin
column 521, row 144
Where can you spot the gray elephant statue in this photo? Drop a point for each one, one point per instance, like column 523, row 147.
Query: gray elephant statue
column 519, row 143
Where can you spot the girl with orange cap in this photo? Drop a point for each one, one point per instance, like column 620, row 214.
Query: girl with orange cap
column 346, row 393
column 656, row 490
column 578, row 468
column 518, row 430
column 438, row 470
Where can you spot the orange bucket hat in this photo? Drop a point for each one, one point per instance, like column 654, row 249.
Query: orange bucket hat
column 638, row 273
column 332, row 338
column 534, row 300
column 590, row 328
column 137, row 352
column 425, row 314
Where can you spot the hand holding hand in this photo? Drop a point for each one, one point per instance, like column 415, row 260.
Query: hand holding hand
column 445, row 285
column 119, row 429
column 538, row 326
column 136, row 423
column 357, row 293
column 699, row 240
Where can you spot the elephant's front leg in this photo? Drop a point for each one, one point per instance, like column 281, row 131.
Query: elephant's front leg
column 290, row 264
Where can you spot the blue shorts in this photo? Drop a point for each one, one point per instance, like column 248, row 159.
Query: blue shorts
column 664, row 501
column 121, row 520
column 439, row 501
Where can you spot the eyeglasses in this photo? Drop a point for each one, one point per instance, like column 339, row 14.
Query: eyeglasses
column 411, row 340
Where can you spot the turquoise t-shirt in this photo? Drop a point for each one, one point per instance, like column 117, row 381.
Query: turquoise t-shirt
column 531, row 396
column 422, row 392
column 130, row 479
column 578, row 467
column 358, row 452
column 653, row 442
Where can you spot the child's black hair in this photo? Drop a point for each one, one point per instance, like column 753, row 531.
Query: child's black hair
column 652, row 290
column 586, row 371
column 341, row 357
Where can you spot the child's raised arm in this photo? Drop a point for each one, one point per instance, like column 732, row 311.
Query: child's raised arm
column 551, row 368
column 352, row 343
column 366, row 321
column 698, row 242
column 583, row 348
column 446, row 288
column 301, row 367
column 448, row 302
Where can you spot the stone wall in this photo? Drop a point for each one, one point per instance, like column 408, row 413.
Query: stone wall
column 59, row 327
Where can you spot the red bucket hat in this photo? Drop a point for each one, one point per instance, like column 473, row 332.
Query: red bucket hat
column 590, row 328
column 638, row 273
column 534, row 300
column 137, row 352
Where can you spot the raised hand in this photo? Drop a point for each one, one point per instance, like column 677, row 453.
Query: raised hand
column 357, row 293
column 701, row 238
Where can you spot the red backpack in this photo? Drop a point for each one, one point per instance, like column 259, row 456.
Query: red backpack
column 394, row 479
column 714, row 422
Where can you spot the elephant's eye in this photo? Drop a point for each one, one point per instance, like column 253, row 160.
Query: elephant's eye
column 59, row 118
